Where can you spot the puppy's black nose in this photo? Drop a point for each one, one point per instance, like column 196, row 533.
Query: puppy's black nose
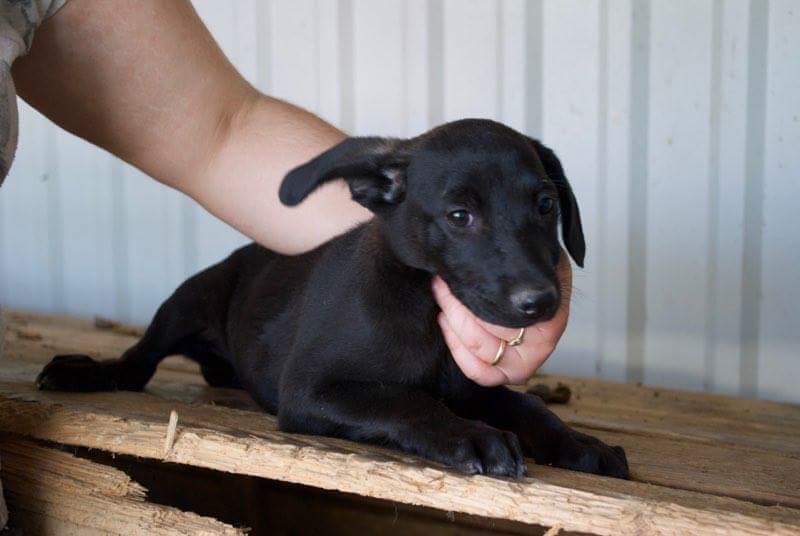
column 532, row 301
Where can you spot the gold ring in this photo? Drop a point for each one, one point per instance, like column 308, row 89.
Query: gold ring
column 516, row 341
column 500, row 351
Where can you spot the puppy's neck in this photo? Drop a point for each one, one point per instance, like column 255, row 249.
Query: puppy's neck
column 389, row 284
column 382, row 256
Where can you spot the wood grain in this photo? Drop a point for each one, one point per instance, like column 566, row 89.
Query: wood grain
column 702, row 463
column 247, row 443
column 53, row 492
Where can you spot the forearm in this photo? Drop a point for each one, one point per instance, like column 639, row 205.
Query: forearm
column 144, row 80
column 265, row 140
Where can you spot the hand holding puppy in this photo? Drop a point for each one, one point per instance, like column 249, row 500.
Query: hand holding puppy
column 474, row 343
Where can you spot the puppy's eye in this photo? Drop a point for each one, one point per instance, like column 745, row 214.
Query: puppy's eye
column 460, row 218
column 545, row 205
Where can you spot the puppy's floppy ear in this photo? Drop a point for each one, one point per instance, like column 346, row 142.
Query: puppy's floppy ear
column 373, row 168
column 571, row 227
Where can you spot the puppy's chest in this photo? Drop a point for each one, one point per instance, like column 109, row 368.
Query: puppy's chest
column 411, row 358
column 407, row 344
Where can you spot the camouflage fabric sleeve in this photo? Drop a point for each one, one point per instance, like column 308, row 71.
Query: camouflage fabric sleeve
column 18, row 22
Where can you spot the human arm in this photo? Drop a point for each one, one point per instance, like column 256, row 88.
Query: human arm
column 144, row 80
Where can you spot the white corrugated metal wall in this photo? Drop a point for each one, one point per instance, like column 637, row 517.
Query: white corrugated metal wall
column 678, row 123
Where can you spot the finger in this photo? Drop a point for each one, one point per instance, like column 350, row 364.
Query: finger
column 538, row 343
column 466, row 325
column 475, row 357
column 518, row 363
column 517, row 368
column 472, row 367
column 545, row 333
column 549, row 332
column 501, row 332
column 521, row 362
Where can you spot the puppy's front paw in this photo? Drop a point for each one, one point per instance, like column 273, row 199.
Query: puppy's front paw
column 480, row 449
column 76, row 373
column 581, row 452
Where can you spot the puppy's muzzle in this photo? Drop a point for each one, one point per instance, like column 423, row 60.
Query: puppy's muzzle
column 534, row 302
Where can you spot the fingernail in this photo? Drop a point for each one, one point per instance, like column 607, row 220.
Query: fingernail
column 439, row 291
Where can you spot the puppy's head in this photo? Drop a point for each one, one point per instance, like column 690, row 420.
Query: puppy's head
column 473, row 201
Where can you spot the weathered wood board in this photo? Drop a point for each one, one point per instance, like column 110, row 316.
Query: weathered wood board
column 701, row 464
column 53, row 492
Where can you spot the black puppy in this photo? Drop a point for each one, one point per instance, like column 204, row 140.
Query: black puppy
column 343, row 340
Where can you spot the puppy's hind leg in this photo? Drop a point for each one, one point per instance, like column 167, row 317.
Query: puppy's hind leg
column 217, row 371
column 170, row 327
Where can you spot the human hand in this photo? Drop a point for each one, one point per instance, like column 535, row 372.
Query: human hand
column 474, row 343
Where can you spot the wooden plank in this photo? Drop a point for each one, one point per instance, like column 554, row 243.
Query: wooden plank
column 676, row 461
column 751, row 474
column 681, row 458
column 247, row 443
column 677, row 439
column 50, row 491
column 274, row 507
column 596, row 404
column 636, row 410
column 681, row 414
column 688, row 449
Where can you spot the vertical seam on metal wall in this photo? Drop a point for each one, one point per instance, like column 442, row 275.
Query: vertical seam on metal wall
column 713, row 197
column 189, row 234
column 637, row 204
column 263, row 44
column 754, row 196
column 55, row 222
column 435, row 62
column 119, row 242
column 346, row 60
column 404, row 67
column 602, row 181
column 500, row 59
column 317, row 62
column 534, row 43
